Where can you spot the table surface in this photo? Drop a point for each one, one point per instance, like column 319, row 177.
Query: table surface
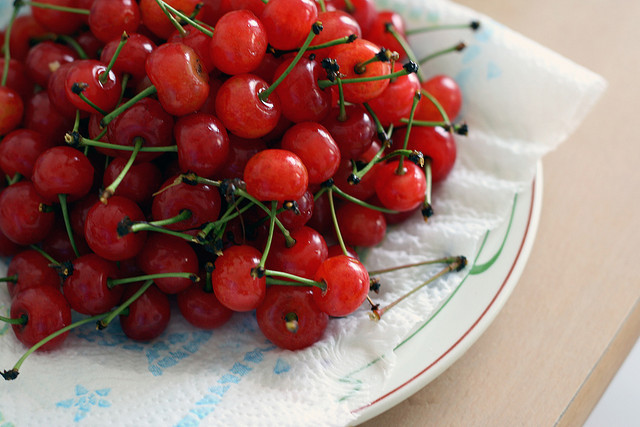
column 575, row 313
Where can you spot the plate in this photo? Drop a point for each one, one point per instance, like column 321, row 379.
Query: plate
column 463, row 317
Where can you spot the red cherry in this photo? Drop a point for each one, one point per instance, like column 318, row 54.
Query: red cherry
column 364, row 11
column 239, row 42
column 196, row 40
column 148, row 315
column 58, row 93
column 400, row 192
column 335, row 24
column 57, row 21
column 140, row 182
column 447, row 92
column 46, row 57
column 354, row 134
column 46, row 311
column 289, row 317
column 87, row 289
column 303, row 258
column 361, row 226
column 104, row 94
column 108, row 19
column 202, row 308
column 203, row 144
column 436, row 144
column 178, row 75
column 32, row 270
column 101, row 229
column 7, row 247
column 379, row 35
column 58, row 245
column 276, row 174
column 25, row 28
column 232, row 281
column 22, row 218
column 347, row 282
column 240, row 151
column 366, row 187
column 132, row 57
column 17, row 78
column 163, row 253
column 157, row 22
column 288, row 22
column 62, row 170
column 41, row 116
column 292, row 220
column 11, row 111
column 396, row 101
column 20, row 149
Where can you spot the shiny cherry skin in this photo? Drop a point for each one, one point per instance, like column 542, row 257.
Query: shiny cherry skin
column 276, row 174
column 303, row 258
column 232, row 281
column 46, row 310
column 57, row 21
column 41, row 116
column 62, row 170
column 446, row 90
column 140, row 182
column 163, row 253
column 201, row 307
column 355, row 134
column 157, row 22
column 294, row 220
column 288, row 22
column 242, row 111
column 379, row 35
column 335, row 24
column 283, row 304
column 196, row 40
column 20, row 149
column 32, row 270
column 101, row 229
column 21, row 218
column 108, row 19
column 202, row 200
column 203, row 143
column 364, row 11
column 87, row 289
column 400, row 192
column 317, row 149
column 104, row 95
column 347, row 282
column 179, row 77
column 396, row 101
column 56, row 90
column 148, row 315
column 239, row 42
column 436, row 144
column 361, row 226
column 366, row 187
column 12, row 110
column 132, row 57
column 44, row 58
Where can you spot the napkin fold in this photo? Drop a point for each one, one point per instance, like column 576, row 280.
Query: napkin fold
column 520, row 101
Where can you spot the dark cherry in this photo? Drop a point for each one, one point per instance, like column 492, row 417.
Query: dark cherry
column 87, row 289
column 22, row 217
column 32, row 270
column 148, row 315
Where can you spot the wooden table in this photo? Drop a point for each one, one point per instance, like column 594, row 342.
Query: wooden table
column 575, row 313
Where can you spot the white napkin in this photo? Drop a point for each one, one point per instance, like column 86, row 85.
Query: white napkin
column 520, row 101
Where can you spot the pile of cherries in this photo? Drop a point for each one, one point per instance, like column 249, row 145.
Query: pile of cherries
column 207, row 151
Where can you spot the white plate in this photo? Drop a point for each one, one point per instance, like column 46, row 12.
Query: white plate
column 438, row 342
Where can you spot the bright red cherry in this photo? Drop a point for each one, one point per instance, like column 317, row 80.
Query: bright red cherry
column 361, row 226
column 132, row 56
column 436, row 144
column 276, row 174
column 402, row 191
column 57, row 21
column 11, row 111
column 87, row 73
column 140, row 182
column 200, row 306
column 396, row 101
column 108, row 19
column 288, row 22
column 62, row 170
column 157, row 22
column 45, row 58
column 303, row 258
column 22, row 217
column 19, row 151
column 203, row 144
column 379, row 35
column 347, row 282
column 446, row 90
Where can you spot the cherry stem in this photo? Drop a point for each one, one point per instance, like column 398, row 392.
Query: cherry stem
column 356, row 176
column 361, row 202
column 171, row 18
column 340, row 40
column 78, row 89
column 456, row 265
column 409, row 67
column 390, row 28
column 22, row 320
column 457, row 48
column 400, row 170
column 44, row 254
column 184, row 17
column 315, row 30
column 342, row 113
column 103, row 323
column 474, row 25
column 125, row 227
column 323, row 7
column 272, row 224
column 75, row 140
column 5, row 46
column 73, row 44
column 105, row 74
column 178, row 275
column 445, row 260
column 142, row 94
column 54, row 7
column 13, row 373
column 297, row 280
column 232, row 212
column 427, row 208
column 67, row 223
column 15, row 178
column 111, row 189
column 436, row 103
column 384, row 55
column 11, row 279
column 382, row 134
column 349, row 6
column 334, row 218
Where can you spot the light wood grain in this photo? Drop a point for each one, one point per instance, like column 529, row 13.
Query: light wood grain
column 575, row 313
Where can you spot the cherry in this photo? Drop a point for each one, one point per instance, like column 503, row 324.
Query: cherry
column 163, row 253
column 200, row 306
column 23, row 218
column 17, row 78
column 446, row 90
column 41, row 116
column 295, row 219
column 365, row 188
column 403, row 191
column 239, row 42
column 45, row 58
column 347, row 285
column 89, row 44
column 300, row 96
column 290, row 318
column 7, row 247
column 287, row 22
column 354, row 133
column 58, row 245
column 202, row 200
column 20, row 149
column 155, row 19
column 240, row 151
column 31, row 270
column 58, row 21
column 24, row 29
column 196, row 40
column 232, row 278
column 276, row 174
column 380, row 35
column 179, row 77
column 242, row 110
column 364, row 11
column 437, row 145
column 203, row 144
column 99, row 85
column 108, row 19
column 140, row 182
column 335, row 24
column 148, row 315
column 315, row 147
column 62, row 170
column 58, row 94
column 11, row 111
column 360, row 225
column 101, row 229
column 132, row 56
column 396, row 101
column 86, row 288
column 303, row 258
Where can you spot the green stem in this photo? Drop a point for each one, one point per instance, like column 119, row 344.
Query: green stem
column 145, row 226
column 162, row 5
column 323, row 7
column 187, row 19
column 111, row 189
column 76, row 139
column 10, row 279
column 55, row 7
column 382, row 134
column 334, row 218
column 405, row 46
column 315, row 29
column 272, row 223
column 78, row 89
column 22, row 320
column 457, row 48
column 400, row 169
column 446, row 260
column 142, row 94
column 102, row 324
column 5, row 47
column 184, row 215
column 15, row 178
column 474, row 25
column 180, row 275
column 105, row 74
column 361, row 202
column 323, row 84
column 342, row 114
column 67, row 222
column 298, row 281
column 436, row 103
column 74, row 45
column 44, row 254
